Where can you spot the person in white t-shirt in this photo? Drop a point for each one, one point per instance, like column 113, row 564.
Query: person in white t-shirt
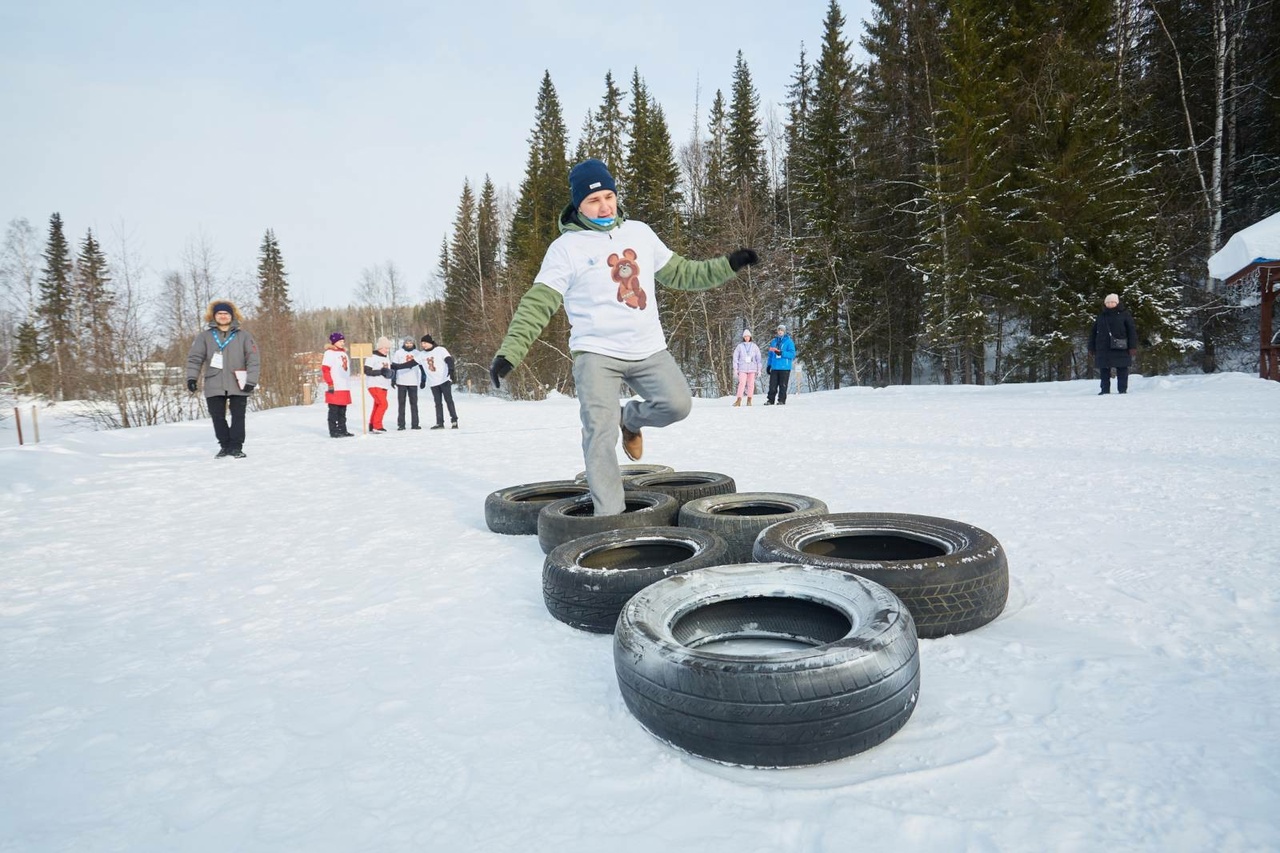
column 336, row 371
column 438, row 363
column 602, row 269
column 377, row 368
column 408, row 376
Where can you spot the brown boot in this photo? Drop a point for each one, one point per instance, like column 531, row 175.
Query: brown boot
column 632, row 444
column 738, row 402
column 748, row 401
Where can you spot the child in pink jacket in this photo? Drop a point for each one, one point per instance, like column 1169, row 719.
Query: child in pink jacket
column 746, row 363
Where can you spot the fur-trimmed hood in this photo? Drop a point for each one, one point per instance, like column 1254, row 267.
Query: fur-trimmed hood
column 236, row 319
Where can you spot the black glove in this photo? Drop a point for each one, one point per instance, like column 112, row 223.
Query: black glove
column 743, row 258
column 248, row 387
column 422, row 384
column 386, row 372
column 768, row 371
column 500, row 368
column 191, row 385
column 329, row 389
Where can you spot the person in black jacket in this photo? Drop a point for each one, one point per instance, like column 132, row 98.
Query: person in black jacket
column 1114, row 343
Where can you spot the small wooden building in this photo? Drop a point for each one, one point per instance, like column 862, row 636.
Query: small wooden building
column 1256, row 251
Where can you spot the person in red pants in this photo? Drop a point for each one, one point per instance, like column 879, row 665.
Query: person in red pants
column 377, row 368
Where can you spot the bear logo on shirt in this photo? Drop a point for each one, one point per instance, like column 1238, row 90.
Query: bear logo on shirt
column 627, row 275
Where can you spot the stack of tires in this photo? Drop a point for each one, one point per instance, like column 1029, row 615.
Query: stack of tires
column 756, row 628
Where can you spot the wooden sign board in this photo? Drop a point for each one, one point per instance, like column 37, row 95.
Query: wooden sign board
column 360, row 350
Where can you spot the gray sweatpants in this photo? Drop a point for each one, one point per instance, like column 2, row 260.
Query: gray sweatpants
column 666, row 399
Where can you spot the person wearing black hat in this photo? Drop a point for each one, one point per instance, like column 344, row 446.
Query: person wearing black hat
column 228, row 357
column 335, row 369
column 603, row 270
column 408, row 377
column 438, row 364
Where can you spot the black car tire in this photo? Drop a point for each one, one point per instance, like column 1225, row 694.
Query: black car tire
column 952, row 576
column 631, row 470
column 739, row 517
column 848, row 680
column 514, row 510
column 585, row 581
column 571, row 518
column 684, row 486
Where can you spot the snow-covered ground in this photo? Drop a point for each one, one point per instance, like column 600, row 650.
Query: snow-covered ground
column 322, row 647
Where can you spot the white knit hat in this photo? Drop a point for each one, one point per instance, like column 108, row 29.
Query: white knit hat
column 383, row 343
column 746, row 333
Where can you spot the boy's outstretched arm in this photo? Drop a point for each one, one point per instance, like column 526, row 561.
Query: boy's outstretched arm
column 680, row 273
column 531, row 317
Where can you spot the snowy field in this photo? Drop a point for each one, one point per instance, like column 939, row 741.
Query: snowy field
column 322, row 647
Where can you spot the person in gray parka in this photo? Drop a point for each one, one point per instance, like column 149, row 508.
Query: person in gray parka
column 228, row 357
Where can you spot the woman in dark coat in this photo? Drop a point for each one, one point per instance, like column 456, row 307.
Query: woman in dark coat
column 1114, row 343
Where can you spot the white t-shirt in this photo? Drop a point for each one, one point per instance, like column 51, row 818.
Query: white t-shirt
column 432, row 361
column 336, row 360
column 606, row 279
column 376, row 362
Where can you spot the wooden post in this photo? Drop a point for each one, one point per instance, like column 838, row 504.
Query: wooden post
column 35, row 427
column 17, row 416
column 359, row 352
column 306, row 393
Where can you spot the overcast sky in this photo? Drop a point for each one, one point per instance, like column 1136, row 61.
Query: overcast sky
column 347, row 128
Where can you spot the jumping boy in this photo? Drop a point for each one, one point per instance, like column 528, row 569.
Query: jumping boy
column 602, row 270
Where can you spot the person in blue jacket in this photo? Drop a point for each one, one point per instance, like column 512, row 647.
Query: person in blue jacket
column 782, row 351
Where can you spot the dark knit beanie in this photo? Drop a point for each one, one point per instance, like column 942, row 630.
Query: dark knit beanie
column 337, row 336
column 223, row 306
column 587, row 177
column 427, row 339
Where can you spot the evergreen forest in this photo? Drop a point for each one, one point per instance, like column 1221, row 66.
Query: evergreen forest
column 950, row 209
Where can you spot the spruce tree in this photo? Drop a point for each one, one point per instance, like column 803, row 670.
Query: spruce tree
column 281, row 376
column 828, row 267
column 604, row 131
column 26, row 355
column 651, row 192
column 1092, row 222
column 273, row 283
column 97, row 353
column 972, row 195
column 543, row 195
column 544, row 189
column 610, row 126
column 444, row 269
column 744, row 147
column 799, row 97
column 894, row 108
column 489, row 233
column 464, row 286
column 718, row 182
column 743, row 216
column 481, row 333
column 56, row 310
column 588, row 139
